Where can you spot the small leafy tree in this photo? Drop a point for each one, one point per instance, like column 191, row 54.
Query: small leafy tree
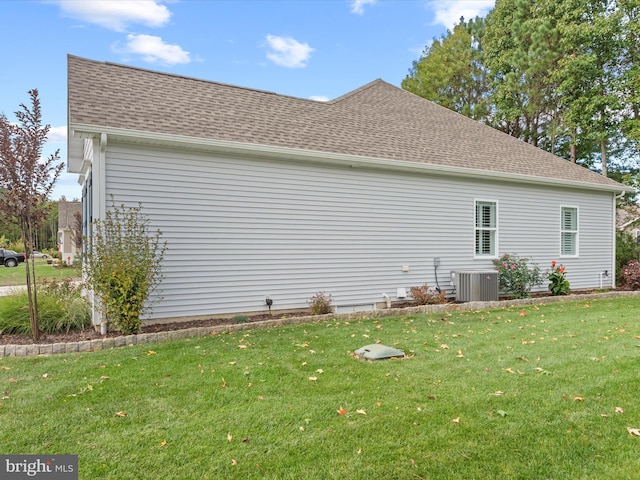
column 26, row 180
column 516, row 277
column 122, row 265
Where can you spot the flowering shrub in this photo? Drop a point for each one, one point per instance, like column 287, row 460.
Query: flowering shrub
column 516, row 277
column 320, row 304
column 558, row 284
column 630, row 276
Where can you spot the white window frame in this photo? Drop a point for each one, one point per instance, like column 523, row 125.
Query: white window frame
column 493, row 229
column 575, row 233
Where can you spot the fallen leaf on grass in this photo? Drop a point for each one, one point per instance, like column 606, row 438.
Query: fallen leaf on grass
column 578, row 399
column 234, row 462
column 508, row 370
column 229, row 437
column 121, row 414
column 619, row 410
column 523, row 313
column 242, row 346
column 455, row 420
column 342, row 411
column 634, row 431
column 12, row 380
column 9, row 368
column 313, row 379
column 163, row 443
column 361, row 411
column 460, row 355
column 502, row 413
column 151, row 352
column 498, row 393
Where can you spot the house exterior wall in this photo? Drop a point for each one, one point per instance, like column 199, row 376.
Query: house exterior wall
column 240, row 229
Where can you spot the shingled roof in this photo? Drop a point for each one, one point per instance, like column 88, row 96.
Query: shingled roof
column 378, row 121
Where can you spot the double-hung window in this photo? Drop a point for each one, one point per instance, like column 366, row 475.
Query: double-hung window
column 569, row 231
column 486, row 229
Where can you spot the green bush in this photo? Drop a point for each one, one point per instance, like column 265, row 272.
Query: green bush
column 516, row 277
column 122, row 265
column 320, row 304
column 61, row 308
column 627, row 249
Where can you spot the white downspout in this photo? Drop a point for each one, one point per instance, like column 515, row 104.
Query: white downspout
column 387, row 299
column 613, row 253
column 99, row 209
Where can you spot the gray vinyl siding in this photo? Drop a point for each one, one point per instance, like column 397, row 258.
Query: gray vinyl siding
column 240, row 229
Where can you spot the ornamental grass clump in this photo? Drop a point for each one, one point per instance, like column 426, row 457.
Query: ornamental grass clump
column 558, row 284
column 516, row 276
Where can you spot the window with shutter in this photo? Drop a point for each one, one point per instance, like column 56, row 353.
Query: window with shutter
column 486, row 228
column 569, row 231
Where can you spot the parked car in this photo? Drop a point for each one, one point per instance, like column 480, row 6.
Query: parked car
column 37, row 254
column 9, row 258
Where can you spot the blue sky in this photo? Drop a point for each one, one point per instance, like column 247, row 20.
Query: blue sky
column 318, row 49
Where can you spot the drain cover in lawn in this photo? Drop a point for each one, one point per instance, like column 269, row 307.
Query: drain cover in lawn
column 377, row 351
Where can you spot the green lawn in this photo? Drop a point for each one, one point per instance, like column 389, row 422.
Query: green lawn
column 17, row 275
column 536, row 392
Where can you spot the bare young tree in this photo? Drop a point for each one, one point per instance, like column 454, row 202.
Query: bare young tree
column 26, row 181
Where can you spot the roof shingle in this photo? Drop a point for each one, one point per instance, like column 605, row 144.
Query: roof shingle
column 377, row 120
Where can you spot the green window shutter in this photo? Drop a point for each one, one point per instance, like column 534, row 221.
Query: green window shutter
column 569, row 231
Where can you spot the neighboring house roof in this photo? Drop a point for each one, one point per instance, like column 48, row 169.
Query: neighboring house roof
column 67, row 212
column 376, row 121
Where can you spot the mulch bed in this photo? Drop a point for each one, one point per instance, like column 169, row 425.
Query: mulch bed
column 91, row 334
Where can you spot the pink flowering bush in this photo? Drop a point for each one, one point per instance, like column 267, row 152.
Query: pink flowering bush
column 516, row 277
column 558, row 284
column 630, row 276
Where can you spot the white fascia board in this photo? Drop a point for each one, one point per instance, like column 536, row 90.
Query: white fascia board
column 241, row 148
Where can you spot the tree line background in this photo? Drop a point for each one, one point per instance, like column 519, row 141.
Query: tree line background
column 563, row 75
column 46, row 235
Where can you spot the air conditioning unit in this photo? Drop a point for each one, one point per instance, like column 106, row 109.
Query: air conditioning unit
column 475, row 286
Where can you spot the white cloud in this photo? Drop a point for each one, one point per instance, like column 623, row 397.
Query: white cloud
column 357, row 6
column 448, row 12
column 287, row 52
column 57, row 134
column 154, row 50
column 319, row 98
column 118, row 14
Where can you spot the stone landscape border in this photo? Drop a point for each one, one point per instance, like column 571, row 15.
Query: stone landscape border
column 32, row 350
